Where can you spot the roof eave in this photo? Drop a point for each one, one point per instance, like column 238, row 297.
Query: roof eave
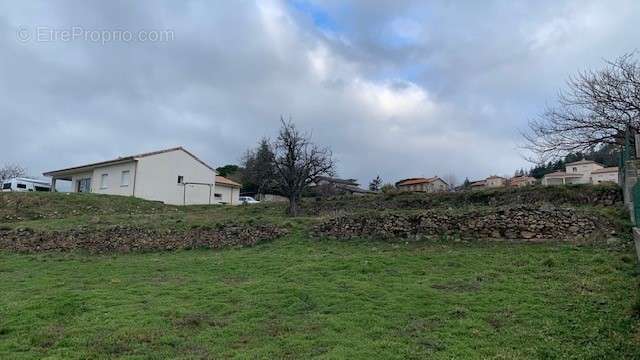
column 83, row 168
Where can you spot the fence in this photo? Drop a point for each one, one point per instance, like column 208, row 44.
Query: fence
column 629, row 173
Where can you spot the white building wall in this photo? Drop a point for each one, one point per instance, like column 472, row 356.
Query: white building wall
column 584, row 169
column 157, row 179
column 228, row 194
column 113, row 184
column 605, row 177
column 495, row 182
column 552, row 181
column 439, row 185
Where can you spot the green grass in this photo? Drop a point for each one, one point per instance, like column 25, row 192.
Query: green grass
column 299, row 298
column 303, row 297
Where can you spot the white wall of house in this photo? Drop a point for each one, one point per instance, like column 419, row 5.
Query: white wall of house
column 584, row 169
column 226, row 194
column 157, row 179
column 495, row 182
column 605, row 177
column 438, row 185
column 118, row 179
column 552, row 181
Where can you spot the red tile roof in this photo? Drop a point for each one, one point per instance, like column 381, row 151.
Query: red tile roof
column 415, row 181
column 224, row 181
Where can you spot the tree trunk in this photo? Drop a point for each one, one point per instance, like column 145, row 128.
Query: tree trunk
column 293, row 206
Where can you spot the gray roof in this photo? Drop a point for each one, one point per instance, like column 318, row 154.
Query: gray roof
column 122, row 159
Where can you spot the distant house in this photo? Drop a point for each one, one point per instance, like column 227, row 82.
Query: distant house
column 582, row 172
column 477, row 185
column 326, row 186
column 173, row 176
column 520, row 181
column 431, row 185
column 495, row 181
column 606, row 175
column 227, row 191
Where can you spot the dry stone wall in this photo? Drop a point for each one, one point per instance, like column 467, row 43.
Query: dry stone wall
column 521, row 222
column 127, row 239
column 575, row 195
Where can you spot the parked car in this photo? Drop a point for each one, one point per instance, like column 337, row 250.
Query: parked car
column 25, row 184
column 248, row 200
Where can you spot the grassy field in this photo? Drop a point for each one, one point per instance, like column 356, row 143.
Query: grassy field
column 303, row 297
column 299, row 298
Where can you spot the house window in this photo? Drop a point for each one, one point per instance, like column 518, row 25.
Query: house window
column 180, row 179
column 217, row 196
column 21, row 186
column 6, row 186
column 124, row 178
column 103, row 181
column 575, row 169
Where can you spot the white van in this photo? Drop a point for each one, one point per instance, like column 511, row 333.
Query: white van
column 25, row 184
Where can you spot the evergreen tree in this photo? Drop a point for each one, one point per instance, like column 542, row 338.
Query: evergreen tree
column 375, row 184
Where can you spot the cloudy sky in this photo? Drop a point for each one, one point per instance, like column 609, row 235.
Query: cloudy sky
column 395, row 88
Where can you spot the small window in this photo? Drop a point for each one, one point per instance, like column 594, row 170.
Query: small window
column 575, row 169
column 217, row 196
column 41, row 188
column 103, row 181
column 22, row 186
column 6, row 186
column 180, row 179
column 124, row 178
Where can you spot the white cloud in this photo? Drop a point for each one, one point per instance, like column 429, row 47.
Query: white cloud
column 449, row 98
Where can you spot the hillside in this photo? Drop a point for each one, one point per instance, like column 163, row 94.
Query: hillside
column 392, row 276
column 57, row 221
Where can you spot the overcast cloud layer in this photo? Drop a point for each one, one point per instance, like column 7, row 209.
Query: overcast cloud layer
column 395, row 88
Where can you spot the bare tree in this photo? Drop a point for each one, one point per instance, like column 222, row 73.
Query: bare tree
column 10, row 171
column 596, row 109
column 298, row 162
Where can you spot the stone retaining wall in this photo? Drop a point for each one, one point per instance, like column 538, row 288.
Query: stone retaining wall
column 527, row 223
column 572, row 195
column 127, row 239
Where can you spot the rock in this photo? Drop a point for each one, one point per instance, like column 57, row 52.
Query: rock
column 613, row 241
column 527, row 234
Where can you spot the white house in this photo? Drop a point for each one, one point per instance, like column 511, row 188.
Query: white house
column 582, row 172
column 173, row 176
column 494, row 181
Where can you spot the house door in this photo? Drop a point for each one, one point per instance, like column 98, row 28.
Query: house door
column 84, row 185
